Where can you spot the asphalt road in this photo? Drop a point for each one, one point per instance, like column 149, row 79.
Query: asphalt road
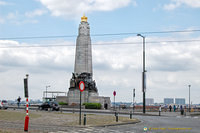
column 162, row 124
column 154, row 124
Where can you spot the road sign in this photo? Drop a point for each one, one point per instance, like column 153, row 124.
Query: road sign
column 81, row 86
column 114, row 93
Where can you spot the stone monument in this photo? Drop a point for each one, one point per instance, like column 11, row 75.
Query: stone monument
column 83, row 71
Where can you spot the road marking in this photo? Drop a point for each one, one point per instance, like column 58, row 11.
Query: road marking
column 188, row 117
column 91, row 130
column 195, row 117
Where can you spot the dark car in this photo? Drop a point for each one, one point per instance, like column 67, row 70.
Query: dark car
column 49, row 105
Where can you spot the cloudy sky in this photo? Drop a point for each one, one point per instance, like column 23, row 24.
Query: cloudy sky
column 172, row 59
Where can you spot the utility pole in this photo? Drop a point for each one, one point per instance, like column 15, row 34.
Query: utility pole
column 143, row 73
column 189, row 96
column 133, row 99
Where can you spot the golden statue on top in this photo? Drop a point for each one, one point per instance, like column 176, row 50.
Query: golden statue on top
column 84, row 18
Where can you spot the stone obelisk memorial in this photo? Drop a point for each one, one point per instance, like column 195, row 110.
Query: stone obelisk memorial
column 83, row 70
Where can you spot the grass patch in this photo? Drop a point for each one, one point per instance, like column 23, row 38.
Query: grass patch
column 14, row 116
column 62, row 103
column 92, row 105
column 3, row 131
column 98, row 120
column 11, row 131
column 62, row 119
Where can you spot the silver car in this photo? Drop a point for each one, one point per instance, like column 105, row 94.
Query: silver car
column 3, row 104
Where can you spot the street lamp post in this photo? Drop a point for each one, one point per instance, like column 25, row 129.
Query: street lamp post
column 133, row 99
column 143, row 73
column 189, row 96
column 46, row 91
column 27, row 76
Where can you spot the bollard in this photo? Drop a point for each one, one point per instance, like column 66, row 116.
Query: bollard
column 84, row 120
column 130, row 115
column 26, row 123
column 116, row 117
column 26, row 118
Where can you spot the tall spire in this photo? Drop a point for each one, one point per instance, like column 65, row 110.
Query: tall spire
column 83, row 57
column 84, row 18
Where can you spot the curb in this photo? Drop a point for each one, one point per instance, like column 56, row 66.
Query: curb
column 118, row 124
column 108, row 125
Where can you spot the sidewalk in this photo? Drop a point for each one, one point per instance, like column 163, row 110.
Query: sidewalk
column 169, row 114
column 126, row 112
column 123, row 112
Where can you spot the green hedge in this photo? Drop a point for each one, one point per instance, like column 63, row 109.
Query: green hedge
column 62, row 103
column 92, row 105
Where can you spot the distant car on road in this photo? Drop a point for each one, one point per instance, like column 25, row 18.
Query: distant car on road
column 49, row 105
column 3, row 104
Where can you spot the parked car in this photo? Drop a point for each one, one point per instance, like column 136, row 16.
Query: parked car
column 3, row 104
column 49, row 105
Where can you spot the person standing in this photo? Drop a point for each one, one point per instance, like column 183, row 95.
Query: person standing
column 18, row 101
column 181, row 110
column 160, row 109
column 181, row 107
column 170, row 108
column 174, row 108
column 165, row 108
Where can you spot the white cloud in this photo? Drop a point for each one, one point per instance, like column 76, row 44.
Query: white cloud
column 3, row 3
column 12, row 15
column 18, row 19
column 170, row 68
column 72, row 8
column 1, row 20
column 192, row 3
column 177, row 3
column 37, row 12
column 171, row 6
